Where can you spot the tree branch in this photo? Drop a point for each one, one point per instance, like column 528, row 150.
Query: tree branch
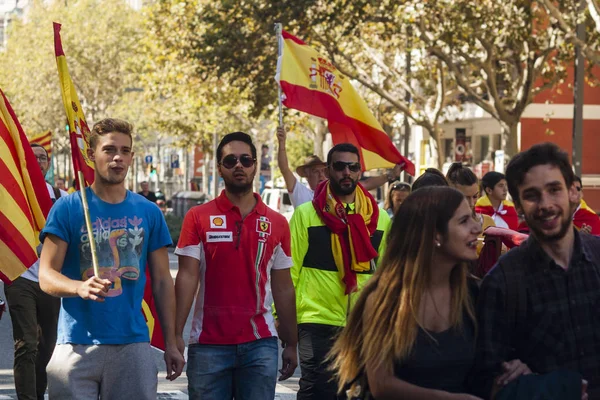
column 463, row 82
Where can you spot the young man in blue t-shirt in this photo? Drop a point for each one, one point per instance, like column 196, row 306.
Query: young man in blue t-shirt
column 103, row 342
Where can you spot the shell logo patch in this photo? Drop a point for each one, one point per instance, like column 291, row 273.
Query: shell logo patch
column 263, row 227
column 218, row 222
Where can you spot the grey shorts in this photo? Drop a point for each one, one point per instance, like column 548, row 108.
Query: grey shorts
column 112, row 372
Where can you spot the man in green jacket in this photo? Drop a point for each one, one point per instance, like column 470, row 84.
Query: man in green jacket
column 336, row 240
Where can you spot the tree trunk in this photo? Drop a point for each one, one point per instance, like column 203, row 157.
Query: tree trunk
column 437, row 141
column 511, row 139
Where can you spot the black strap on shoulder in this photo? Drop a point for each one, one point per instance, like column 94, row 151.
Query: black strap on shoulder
column 56, row 192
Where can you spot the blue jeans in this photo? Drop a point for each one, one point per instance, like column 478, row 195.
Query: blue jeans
column 246, row 371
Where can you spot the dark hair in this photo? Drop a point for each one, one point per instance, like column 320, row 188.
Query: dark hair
column 264, row 146
column 235, row 137
column 342, row 148
column 109, row 125
column 460, row 175
column 578, row 179
column 431, row 177
column 40, row 146
column 539, row 154
column 491, row 179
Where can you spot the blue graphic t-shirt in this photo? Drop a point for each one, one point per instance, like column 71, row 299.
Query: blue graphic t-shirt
column 125, row 234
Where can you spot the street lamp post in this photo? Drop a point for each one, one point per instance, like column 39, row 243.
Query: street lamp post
column 578, row 91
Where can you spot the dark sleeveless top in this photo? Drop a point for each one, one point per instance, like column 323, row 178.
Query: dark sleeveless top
column 444, row 365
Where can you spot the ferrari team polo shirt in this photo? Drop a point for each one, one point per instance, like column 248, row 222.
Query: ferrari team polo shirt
column 236, row 255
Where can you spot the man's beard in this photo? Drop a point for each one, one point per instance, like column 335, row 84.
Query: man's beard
column 339, row 190
column 108, row 180
column 533, row 223
column 238, row 188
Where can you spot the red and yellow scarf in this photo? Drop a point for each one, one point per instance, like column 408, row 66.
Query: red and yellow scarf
column 508, row 212
column 350, row 233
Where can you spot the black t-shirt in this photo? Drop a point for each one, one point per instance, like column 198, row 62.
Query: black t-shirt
column 150, row 196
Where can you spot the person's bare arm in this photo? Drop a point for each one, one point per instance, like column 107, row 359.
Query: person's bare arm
column 284, row 297
column 282, row 161
column 164, row 293
column 186, row 285
column 56, row 284
column 376, row 181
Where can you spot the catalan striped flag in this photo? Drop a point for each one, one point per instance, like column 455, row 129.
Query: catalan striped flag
column 79, row 135
column 312, row 84
column 44, row 140
column 24, row 198
column 79, row 132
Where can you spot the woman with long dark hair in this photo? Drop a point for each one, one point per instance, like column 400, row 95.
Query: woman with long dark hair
column 412, row 331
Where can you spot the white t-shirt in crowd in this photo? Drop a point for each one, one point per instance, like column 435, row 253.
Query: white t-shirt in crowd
column 33, row 272
column 301, row 194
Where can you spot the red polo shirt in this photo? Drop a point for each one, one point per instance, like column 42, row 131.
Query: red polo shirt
column 236, row 255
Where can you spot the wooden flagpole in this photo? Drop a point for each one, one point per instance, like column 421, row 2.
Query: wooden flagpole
column 88, row 222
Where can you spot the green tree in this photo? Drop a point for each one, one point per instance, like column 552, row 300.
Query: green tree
column 501, row 54
column 498, row 54
column 97, row 55
column 567, row 14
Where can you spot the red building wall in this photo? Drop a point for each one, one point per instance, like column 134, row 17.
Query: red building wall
column 538, row 127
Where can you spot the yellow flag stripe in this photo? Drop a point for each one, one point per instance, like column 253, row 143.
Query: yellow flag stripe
column 6, row 156
column 12, row 211
column 12, row 267
column 375, row 160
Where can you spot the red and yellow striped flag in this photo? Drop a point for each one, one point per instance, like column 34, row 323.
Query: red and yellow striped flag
column 24, row 198
column 79, row 135
column 44, row 140
column 312, row 84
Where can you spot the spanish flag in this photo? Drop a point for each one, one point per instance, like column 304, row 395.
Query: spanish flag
column 79, row 135
column 586, row 216
column 44, row 140
column 24, row 198
column 312, row 84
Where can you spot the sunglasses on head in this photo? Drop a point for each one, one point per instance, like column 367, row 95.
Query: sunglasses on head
column 341, row 165
column 231, row 161
column 400, row 186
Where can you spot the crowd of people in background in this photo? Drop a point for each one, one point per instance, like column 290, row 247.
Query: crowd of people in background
column 370, row 302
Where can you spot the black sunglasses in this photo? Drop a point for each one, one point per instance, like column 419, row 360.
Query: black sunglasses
column 400, row 186
column 231, row 161
column 341, row 165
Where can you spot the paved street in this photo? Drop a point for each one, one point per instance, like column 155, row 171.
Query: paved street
column 167, row 390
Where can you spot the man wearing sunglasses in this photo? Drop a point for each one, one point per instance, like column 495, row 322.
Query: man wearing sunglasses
column 313, row 170
column 336, row 240
column 584, row 218
column 237, row 250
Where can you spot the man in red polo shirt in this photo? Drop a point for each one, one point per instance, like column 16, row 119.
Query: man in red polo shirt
column 234, row 255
